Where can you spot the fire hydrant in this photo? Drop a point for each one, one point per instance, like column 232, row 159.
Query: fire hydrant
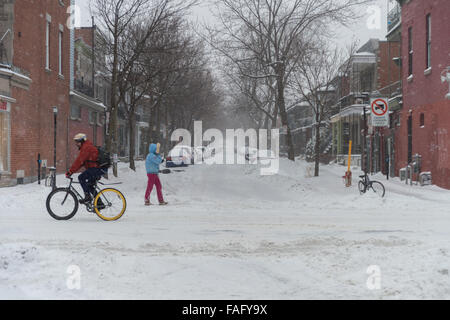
column 348, row 179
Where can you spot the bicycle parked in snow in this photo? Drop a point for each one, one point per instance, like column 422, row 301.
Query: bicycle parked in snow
column 109, row 204
column 366, row 184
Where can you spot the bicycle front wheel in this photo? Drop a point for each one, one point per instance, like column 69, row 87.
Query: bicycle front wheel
column 62, row 204
column 110, row 205
column 378, row 188
column 361, row 187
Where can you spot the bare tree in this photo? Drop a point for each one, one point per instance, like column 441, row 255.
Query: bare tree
column 173, row 53
column 267, row 33
column 256, row 95
column 316, row 77
column 115, row 18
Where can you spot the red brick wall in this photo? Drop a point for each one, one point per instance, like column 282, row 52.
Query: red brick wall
column 32, row 116
column 431, row 141
column 425, row 89
column 387, row 71
column 425, row 93
column 85, row 34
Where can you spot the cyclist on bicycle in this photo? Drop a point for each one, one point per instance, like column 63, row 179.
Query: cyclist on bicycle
column 87, row 158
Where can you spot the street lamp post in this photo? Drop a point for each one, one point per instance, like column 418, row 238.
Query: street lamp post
column 364, row 163
column 55, row 114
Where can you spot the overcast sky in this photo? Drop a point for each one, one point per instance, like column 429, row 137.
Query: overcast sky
column 359, row 30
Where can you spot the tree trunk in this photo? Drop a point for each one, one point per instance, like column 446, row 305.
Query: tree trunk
column 116, row 140
column 132, row 130
column 166, row 129
column 284, row 119
column 158, row 124
column 317, row 149
column 152, row 124
column 111, row 139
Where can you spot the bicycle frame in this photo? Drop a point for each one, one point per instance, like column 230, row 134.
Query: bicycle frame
column 366, row 181
column 79, row 196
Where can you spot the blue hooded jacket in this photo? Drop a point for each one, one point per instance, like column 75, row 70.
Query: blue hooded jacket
column 153, row 160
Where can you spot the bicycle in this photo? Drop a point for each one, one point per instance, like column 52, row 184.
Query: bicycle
column 51, row 178
column 108, row 204
column 365, row 184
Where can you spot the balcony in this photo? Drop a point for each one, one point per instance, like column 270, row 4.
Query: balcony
column 394, row 17
column 83, row 88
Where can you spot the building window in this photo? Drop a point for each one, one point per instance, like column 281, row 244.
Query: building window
column 422, row 120
column 410, row 51
column 428, row 42
column 47, row 41
column 4, row 137
column 93, row 117
column 99, row 120
column 60, row 37
column 60, row 45
column 75, row 112
column 105, row 97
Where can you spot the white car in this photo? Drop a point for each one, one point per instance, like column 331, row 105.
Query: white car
column 180, row 156
column 252, row 154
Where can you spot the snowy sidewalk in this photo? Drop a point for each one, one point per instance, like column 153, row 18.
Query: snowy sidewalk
column 230, row 233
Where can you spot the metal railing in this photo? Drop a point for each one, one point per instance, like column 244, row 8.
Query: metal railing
column 83, row 88
column 394, row 17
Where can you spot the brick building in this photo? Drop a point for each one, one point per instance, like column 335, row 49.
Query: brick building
column 45, row 67
column 425, row 116
column 89, row 93
column 34, row 78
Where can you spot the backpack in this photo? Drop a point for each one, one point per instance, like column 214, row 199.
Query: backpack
column 104, row 158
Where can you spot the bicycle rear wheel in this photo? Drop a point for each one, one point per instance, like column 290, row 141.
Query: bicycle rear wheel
column 110, row 205
column 62, row 204
column 378, row 188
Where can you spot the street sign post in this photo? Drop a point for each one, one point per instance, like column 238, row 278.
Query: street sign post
column 380, row 112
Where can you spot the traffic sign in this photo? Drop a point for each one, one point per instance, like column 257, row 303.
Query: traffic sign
column 380, row 112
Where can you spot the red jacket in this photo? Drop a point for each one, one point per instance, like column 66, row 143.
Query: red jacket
column 87, row 158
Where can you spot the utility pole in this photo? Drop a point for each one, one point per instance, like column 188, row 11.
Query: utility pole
column 93, row 55
column 55, row 114
column 94, row 137
column 364, row 162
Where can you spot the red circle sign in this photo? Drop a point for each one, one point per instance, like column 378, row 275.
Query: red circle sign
column 379, row 107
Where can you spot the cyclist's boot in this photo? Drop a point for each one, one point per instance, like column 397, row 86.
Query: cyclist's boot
column 87, row 199
column 100, row 204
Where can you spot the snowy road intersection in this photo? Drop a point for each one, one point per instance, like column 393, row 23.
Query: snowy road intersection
column 230, row 233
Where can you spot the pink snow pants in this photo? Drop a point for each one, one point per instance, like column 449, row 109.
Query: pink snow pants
column 153, row 179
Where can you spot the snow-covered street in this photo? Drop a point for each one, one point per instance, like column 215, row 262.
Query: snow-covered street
column 230, row 233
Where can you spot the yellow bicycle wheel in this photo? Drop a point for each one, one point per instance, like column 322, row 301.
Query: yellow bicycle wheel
column 110, row 204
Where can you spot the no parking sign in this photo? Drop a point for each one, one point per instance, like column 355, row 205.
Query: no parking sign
column 380, row 112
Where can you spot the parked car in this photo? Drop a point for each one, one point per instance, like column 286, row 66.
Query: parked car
column 252, row 154
column 180, row 156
